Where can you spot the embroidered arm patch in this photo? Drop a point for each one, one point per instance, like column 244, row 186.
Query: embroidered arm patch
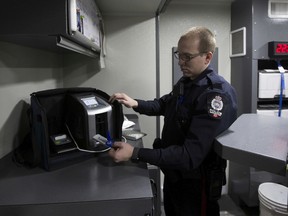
column 215, row 106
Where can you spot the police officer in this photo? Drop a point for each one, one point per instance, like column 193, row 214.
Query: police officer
column 200, row 107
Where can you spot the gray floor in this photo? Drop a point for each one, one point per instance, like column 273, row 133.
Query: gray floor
column 228, row 208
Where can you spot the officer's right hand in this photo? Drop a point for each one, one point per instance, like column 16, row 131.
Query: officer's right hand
column 121, row 151
column 124, row 99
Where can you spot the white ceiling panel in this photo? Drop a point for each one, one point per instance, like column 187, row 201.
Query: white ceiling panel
column 128, row 7
column 140, row 7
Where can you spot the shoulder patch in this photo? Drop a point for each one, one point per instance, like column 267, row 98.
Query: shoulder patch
column 215, row 106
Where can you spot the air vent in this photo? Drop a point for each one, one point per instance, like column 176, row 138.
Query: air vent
column 278, row 9
column 238, row 42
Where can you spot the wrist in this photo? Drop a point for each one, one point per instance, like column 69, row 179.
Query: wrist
column 135, row 156
column 135, row 104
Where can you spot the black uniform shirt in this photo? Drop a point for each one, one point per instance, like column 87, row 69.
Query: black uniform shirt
column 195, row 112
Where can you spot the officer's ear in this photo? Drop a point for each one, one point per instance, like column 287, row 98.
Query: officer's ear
column 209, row 56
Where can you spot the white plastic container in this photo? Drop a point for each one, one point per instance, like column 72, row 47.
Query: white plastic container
column 273, row 199
column 269, row 84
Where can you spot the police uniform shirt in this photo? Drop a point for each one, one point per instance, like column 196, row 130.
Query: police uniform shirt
column 195, row 112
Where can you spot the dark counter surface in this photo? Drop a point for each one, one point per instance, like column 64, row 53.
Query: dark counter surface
column 257, row 141
column 94, row 180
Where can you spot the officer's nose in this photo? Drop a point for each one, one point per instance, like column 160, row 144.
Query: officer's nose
column 181, row 62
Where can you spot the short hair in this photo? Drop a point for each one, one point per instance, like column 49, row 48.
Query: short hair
column 207, row 41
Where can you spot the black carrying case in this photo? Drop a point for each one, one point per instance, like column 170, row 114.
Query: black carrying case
column 48, row 118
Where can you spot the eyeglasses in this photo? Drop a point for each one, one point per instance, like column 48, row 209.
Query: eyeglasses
column 185, row 56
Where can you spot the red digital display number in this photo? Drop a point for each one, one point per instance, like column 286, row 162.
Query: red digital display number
column 281, row 48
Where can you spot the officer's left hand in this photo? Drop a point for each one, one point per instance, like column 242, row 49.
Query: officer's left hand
column 121, row 151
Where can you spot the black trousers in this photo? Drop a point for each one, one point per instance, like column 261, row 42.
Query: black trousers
column 184, row 198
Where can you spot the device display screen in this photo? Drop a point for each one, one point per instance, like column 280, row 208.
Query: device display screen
column 277, row 49
column 90, row 102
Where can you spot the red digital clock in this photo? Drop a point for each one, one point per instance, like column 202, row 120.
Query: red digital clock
column 278, row 49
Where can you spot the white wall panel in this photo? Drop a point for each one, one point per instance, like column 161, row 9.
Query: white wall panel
column 22, row 71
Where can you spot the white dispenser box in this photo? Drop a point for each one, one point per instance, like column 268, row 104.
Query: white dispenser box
column 270, row 83
column 273, row 112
